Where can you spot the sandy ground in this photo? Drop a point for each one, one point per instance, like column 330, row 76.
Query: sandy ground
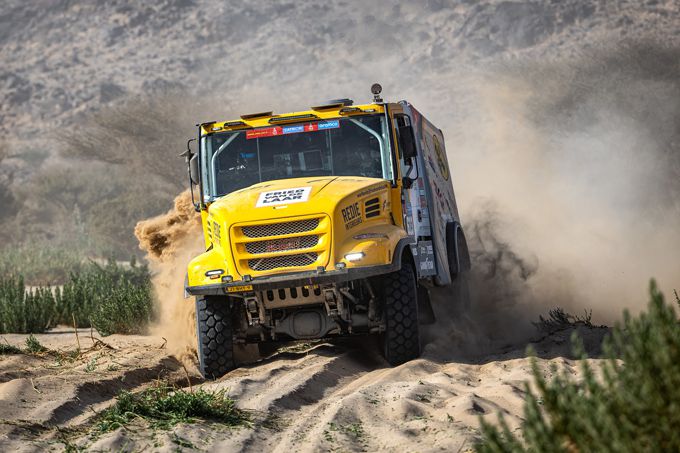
column 321, row 397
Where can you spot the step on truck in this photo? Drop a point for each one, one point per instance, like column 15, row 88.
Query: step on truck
column 330, row 222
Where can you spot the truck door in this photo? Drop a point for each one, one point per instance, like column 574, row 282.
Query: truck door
column 414, row 196
column 415, row 209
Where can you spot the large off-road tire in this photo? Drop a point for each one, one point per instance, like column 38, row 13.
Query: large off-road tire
column 459, row 266
column 215, row 336
column 401, row 339
column 451, row 257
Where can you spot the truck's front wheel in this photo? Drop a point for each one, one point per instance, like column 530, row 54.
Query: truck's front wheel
column 401, row 339
column 215, row 343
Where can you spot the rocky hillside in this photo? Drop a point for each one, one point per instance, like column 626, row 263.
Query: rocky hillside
column 63, row 59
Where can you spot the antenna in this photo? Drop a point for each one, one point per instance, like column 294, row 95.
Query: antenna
column 376, row 89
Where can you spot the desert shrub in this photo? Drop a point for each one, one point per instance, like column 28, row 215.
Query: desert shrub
column 559, row 319
column 23, row 311
column 145, row 137
column 127, row 309
column 6, row 349
column 40, row 263
column 33, row 346
column 112, row 298
column 634, row 404
column 164, row 406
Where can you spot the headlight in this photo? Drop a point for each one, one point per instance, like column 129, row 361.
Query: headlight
column 354, row 256
column 215, row 273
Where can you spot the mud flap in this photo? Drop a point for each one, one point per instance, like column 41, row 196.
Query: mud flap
column 423, row 255
column 425, row 312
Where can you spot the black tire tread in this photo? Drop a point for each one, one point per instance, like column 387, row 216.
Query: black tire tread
column 402, row 337
column 215, row 343
column 451, row 258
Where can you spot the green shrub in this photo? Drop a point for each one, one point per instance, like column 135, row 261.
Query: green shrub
column 33, row 346
column 127, row 309
column 633, row 406
column 111, row 298
column 23, row 311
column 163, row 406
column 6, row 348
column 40, row 264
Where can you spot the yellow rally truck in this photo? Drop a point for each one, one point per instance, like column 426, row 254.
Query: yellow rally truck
column 330, row 222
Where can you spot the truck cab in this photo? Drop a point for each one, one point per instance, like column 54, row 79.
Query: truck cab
column 329, row 222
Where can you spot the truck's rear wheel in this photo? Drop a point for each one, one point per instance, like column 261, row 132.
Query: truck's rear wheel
column 459, row 266
column 215, row 342
column 401, row 339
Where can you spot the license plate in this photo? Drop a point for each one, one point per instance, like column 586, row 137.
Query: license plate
column 239, row 289
column 283, row 244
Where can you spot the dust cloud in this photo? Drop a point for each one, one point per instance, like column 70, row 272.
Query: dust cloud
column 171, row 240
column 568, row 179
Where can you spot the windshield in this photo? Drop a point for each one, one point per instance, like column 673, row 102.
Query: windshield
column 356, row 146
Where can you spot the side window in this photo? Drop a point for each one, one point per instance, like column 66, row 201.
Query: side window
column 407, row 165
column 401, row 121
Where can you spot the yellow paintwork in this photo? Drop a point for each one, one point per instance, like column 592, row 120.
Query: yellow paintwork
column 224, row 219
column 328, row 197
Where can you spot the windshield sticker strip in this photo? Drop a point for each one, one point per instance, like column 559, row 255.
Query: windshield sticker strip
column 278, row 130
column 266, row 132
column 328, row 125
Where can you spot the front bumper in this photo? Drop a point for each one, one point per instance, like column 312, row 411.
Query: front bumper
column 290, row 280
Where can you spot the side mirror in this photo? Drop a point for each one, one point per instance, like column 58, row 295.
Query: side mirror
column 407, row 142
column 191, row 159
column 193, row 169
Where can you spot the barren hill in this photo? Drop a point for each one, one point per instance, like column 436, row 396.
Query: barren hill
column 62, row 59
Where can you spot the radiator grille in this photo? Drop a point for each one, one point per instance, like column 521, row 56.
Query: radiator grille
column 267, row 264
column 280, row 229
column 284, row 244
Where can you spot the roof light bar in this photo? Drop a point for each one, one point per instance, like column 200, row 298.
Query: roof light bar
column 287, row 119
column 346, row 110
column 234, row 124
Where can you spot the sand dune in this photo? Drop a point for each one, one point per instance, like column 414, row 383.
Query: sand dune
column 321, row 397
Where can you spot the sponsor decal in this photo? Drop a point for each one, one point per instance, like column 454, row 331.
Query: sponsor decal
column 328, row 125
column 295, row 129
column 283, row 196
column 370, row 190
column 266, row 132
column 283, row 244
column 441, row 159
column 217, row 233
column 352, row 216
